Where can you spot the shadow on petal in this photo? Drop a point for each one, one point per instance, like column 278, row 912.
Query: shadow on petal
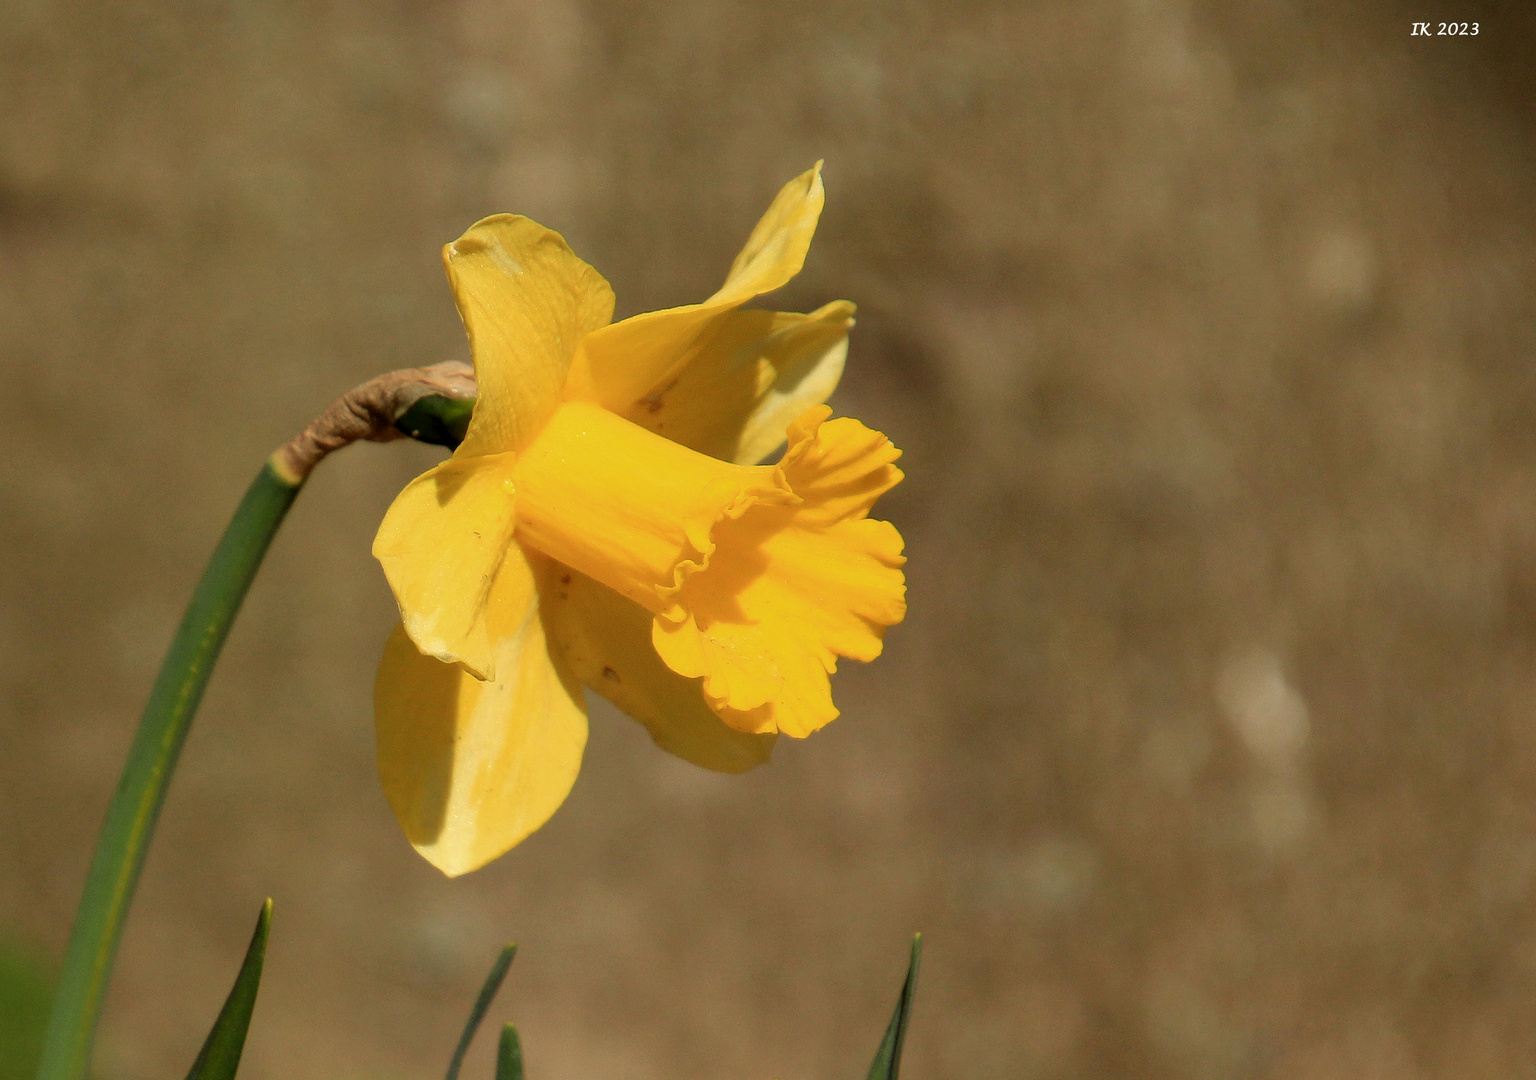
column 605, row 638
column 471, row 768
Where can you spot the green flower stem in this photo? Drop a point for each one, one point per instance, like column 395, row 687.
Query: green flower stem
column 124, row 838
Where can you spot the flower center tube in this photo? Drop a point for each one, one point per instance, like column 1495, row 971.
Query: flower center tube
column 759, row 578
column 627, row 507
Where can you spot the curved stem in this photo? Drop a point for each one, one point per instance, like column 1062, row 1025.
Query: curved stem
column 130, row 822
column 432, row 404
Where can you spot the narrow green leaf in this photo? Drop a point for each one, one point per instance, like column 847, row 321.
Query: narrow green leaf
column 439, row 420
column 124, row 839
column 509, row 1055
column 887, row 1064
column 482, row 1003
column 220, row 1055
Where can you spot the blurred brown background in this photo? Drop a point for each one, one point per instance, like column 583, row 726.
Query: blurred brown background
column 1209, row 748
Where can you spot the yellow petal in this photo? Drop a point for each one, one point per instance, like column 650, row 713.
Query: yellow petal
column 606, row 640
column 775, row 251
column 622, row 364
column 758, row 577
column 441, row 544
column 758, row 371
column 469, row 767
column 526, row 302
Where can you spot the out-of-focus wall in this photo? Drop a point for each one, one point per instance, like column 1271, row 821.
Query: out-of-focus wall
column 1209, row 747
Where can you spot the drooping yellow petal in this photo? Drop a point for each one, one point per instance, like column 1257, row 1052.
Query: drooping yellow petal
column 469, row 767
column 526, row 302
column 758, row 577
column 606, row 640
column 441, row 544
column 623, row 363
column 757, row 372
column 790, row 588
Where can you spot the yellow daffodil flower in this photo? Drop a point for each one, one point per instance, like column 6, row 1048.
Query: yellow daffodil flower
column 605, row 522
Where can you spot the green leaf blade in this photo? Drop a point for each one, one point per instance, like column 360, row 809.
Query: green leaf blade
column 220, row 1055
column 509, row 1055
column 482, row 1003
column 887, row 1063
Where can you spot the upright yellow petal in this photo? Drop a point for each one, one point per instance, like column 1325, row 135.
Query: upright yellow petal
column 622, row 364
column 606, row 640
column 469, row 767
column 526, row 302
column 758, row 371
column 441, row 544
column 775, row 251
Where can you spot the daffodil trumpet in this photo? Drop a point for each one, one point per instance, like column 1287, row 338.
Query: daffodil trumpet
column 605, row 521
